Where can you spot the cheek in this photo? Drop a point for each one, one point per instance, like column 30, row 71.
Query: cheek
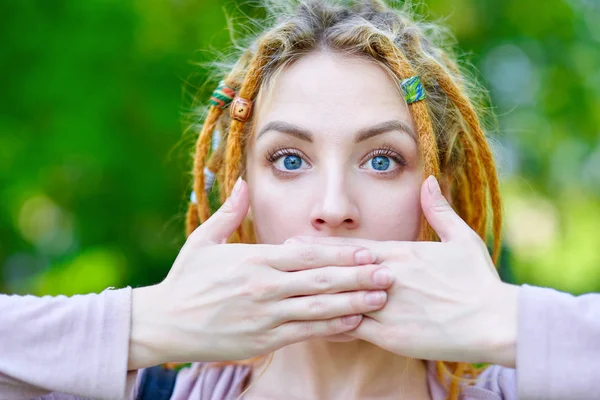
column 393, row 214
column 279, row 212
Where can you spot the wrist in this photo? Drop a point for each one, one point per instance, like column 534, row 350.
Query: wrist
column 501, row 317
column 147, row 332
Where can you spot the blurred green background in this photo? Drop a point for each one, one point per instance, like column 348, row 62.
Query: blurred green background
column 94, row 165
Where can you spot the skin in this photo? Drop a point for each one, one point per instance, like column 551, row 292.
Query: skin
column 224, row 302
column 310, row 175
column 347, row 212
column 447, row 301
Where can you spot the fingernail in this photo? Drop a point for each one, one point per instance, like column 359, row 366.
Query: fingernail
column 232, row 200
column 364, row 256
column 432, row 185
column 383, row 277
column 351, row 319
column 375, row 298
column 237, row 187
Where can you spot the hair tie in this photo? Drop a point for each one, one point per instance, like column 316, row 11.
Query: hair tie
column 222, row 96
column 240, row 109
column 413, row 89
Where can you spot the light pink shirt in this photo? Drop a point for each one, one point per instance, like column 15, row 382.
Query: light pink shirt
column 79, row 345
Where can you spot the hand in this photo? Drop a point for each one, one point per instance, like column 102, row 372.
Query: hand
column 447, row 302
column 235, row 301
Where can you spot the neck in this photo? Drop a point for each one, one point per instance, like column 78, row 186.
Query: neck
column 320, row 369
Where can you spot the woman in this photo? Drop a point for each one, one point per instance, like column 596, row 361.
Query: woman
column 340, row 112
column 353, row 108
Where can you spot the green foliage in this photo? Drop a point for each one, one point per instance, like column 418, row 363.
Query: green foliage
column 94, row 166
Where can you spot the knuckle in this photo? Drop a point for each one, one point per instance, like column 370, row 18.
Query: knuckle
column 306, row 330
column 240, row 286
column 254, row 258
column 266, row 254
column 346, row 241
column 255, row 319
column 263, row 341
column 323, row 282
column 262, row 290
column 333, row 326
column 245, row 292
column 316, row 308
column 308, row 256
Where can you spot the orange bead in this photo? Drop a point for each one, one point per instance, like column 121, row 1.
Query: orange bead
column 240, row 109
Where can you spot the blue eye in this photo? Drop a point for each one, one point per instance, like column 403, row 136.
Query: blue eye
column 380, row 163
column 291, row 162
column 288, row 160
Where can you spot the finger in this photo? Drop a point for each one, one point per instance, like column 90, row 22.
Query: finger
column 297, row 331
column 327, row 306
column 302, row 256
column 382, row 250
column 342, row 241
column 440, row 215
column 221, row 225
column 336, row 280
column 368, row 330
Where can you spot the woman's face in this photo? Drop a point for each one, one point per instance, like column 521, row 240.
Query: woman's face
column 334, row 153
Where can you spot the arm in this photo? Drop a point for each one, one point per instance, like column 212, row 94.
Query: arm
column 558, row 345
column 85, row 344
column 58, row 344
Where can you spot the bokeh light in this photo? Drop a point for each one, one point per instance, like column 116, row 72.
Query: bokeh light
column 94, row 161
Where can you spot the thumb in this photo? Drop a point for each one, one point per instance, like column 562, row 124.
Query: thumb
column 440, row 215
column 369, row 330
column 227, row 218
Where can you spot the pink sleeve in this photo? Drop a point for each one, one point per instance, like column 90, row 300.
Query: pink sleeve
column 76, row 345
column 558, row 345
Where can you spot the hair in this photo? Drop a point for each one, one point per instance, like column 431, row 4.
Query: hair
column 451, row 139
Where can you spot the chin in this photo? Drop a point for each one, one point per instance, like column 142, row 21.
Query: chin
column 340, row 338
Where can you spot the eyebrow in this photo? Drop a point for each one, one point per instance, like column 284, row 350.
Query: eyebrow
column 285, row 127
column 361, row 135
column 383, row 127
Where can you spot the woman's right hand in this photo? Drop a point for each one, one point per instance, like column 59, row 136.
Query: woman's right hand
column 225, row 302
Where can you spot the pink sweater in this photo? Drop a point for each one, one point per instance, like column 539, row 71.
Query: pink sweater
column 55, row 345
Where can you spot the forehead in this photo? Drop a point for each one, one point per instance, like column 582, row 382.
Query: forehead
column 332, row 92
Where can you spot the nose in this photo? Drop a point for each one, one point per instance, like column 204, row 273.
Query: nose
column 335, row 207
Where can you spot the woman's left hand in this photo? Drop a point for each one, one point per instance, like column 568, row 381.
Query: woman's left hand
column 447, row 301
